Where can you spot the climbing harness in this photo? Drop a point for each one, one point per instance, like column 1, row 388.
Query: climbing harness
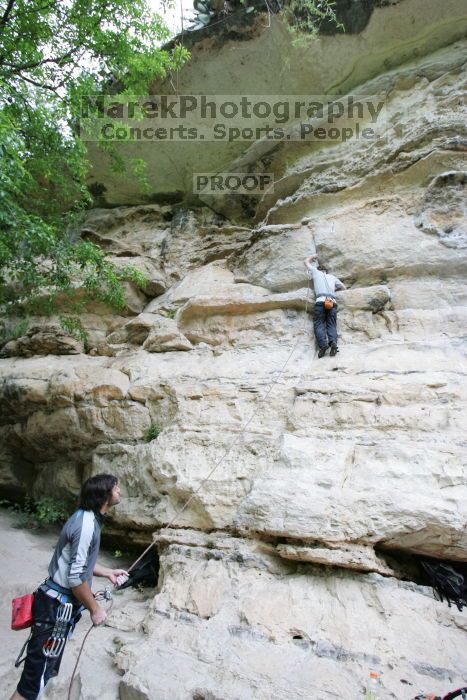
column 66, row 616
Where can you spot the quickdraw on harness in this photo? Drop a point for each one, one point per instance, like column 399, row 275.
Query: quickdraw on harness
column 66, row 617
column 62, row 630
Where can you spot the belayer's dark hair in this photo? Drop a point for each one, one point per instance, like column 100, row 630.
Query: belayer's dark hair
column 95, row 492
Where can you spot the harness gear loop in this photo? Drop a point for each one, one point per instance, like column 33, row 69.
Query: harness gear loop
column 20, row 659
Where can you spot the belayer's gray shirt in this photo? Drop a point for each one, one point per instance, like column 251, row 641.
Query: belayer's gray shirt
column 77, row 548
column 325, row 285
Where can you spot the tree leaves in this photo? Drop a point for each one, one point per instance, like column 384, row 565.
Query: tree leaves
column 51, row 54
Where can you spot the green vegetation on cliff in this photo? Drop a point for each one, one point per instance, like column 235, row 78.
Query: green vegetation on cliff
column 301, row 17
column 51, row 54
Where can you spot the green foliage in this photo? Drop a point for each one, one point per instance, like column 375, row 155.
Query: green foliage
column 41, row 513
column 132, row 274
column 12, row 329
column 51, row 55
column 153, row 432
column 122, row 554
column 72, row 324
column 49, row 511
column 303, row 17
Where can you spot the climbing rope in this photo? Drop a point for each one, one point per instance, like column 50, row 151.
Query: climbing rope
column 100, row 596
column 272, row 383
column 237, row 437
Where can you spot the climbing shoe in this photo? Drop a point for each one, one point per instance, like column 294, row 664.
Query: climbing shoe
column 334, row 349
column 322, row 351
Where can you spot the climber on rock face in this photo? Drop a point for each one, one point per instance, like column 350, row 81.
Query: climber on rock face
column 58, row 601
column 325, row 314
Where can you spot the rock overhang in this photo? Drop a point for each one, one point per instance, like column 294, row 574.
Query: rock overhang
column 262, row 60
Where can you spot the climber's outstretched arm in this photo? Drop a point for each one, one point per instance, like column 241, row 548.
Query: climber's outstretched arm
column 309, row 261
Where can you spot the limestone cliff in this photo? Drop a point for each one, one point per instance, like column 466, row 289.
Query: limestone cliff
column 287, row 575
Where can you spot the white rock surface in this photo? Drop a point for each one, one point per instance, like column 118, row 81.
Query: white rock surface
column 306, row 484
column 165, row 336
column 238, row 623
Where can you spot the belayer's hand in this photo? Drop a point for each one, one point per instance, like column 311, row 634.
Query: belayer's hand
column 122, row 579
column 117, row 576
column 99, row 616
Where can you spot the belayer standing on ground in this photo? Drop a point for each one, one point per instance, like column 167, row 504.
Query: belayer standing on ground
column 67, row 591
column 325, row 314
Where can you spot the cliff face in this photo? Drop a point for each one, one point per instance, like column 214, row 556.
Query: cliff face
column 254, row 54
column 286, row 575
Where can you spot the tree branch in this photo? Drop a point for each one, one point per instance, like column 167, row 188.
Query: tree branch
column 18, row 68
column 53, row 88
column 36, row 10
column 6, row 14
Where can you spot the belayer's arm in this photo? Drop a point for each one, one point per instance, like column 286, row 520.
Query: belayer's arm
column 114, row 575
column 80, row 541
column 85, row 596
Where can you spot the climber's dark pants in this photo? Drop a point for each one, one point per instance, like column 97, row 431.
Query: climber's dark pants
column 324, row 323
column 38, row 669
